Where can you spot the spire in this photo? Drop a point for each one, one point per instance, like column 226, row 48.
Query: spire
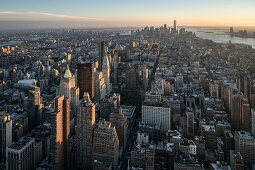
column 67, row 73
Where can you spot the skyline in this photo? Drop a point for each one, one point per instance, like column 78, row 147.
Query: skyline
column 126, row 13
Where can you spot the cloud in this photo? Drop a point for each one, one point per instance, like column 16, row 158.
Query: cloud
column 6, row 15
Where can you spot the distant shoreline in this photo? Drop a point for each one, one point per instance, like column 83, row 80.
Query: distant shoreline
column 236, row 34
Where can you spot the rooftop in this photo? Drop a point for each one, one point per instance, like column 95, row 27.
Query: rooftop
column 244, row 135
column 22, row 142
column 128, row 110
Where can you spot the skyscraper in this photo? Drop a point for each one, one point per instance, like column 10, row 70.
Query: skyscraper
column 175, row 27
column 245, row 115
column 106, row 74
column 190, row 124
column 236, row 111
column 116, row 67
column 85, row 124
column 244, row 85
column 118, row 119
column 100, row 87
column 101, row 54
column 105, row 143
column 67, row 87
column 240, row 113
column 85, row 79
column 60, row 120
column 5, row 134
column 130, row 78
column 34, row 107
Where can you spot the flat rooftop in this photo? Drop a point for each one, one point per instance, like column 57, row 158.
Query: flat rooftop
column 128, row 110
column 245, row 135
column 22, row 142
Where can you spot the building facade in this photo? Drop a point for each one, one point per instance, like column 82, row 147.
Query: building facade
column 60, row 120
column 105, row 143
column 85, row 125
column 85, row 78
column 5, row 134
column 153, row 114
column 20, row 155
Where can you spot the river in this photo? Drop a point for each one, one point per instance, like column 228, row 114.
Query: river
column 219, row 35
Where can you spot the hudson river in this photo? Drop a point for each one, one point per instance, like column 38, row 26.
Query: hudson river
column 218, row 35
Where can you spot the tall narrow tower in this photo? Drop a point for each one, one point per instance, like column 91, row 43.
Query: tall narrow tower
column 101, row 54
column 60, row 120
column 85, row 125
column 116, row 67
column 5, row 134
column 34, row 107
column 85, row 78
column 106, row 74
column 175, row 27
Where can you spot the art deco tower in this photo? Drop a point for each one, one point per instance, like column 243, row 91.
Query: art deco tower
column 68, row 88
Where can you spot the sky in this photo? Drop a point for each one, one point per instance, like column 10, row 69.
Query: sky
column 114, row 13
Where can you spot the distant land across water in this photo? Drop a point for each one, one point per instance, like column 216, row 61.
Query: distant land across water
column 219, row 35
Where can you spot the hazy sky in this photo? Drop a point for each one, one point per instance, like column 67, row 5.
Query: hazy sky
column 127, row 12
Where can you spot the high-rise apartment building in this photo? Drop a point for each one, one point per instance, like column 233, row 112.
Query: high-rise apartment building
column 236, row 111
column 245, row 144
column 5, row 134
column 60, row 120
column 85, row 79
column 245, row 115
column 20, row 155
column 153, row 114
column 240, row 113
column 105, row 143
column 118, row 119
column 190, row 124
column 85, row 125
